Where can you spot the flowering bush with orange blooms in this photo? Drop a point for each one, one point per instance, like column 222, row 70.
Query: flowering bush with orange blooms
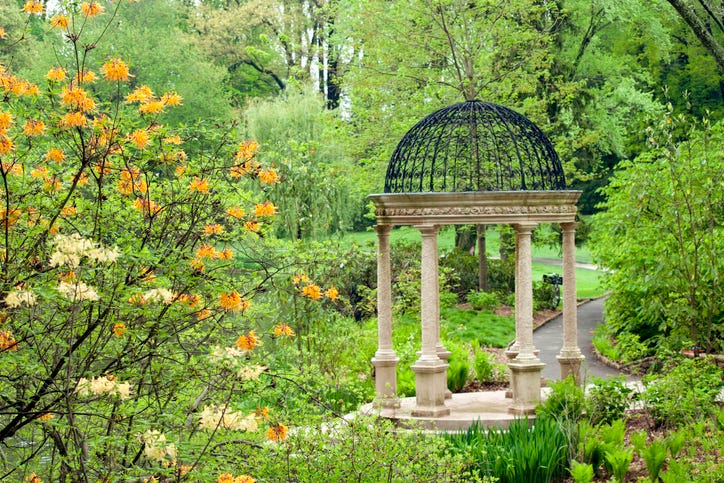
column 121, row 290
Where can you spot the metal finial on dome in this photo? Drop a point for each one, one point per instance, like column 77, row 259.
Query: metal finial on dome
column 474, row 146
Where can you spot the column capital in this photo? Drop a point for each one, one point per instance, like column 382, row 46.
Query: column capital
column 524, row 227
column 428, row 230
column 569, row 226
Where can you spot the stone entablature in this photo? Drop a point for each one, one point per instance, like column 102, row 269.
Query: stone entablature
column 476, row 207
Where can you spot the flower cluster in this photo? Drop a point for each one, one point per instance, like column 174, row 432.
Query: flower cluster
column 233, row 302
column 233, row 358
column 7, row 341
column 103, row 385
column 71, row 249
column 313, row 291
column 19, row 297
column 229, row 478
column 277, row 433
column 222, row 417
column 283, row 330
column 156, row 448
column 247, row 342
column 76, row 291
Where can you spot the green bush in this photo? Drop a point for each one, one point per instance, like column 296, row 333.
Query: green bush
column 484, row 366
column 686, row 392
column 501, row 275
column 465, row 268
column 458, row 366
column 545, row 296
column 480, row 300
column 566, row 401
column 608, row 399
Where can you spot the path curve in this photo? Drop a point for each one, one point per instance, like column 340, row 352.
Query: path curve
column 549, row 340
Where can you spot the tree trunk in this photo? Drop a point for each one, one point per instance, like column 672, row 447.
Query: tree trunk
column 698, row 26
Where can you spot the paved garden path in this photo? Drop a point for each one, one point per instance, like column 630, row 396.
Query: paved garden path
column 549, row 339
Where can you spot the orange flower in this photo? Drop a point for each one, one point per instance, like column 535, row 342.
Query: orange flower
column 91, row 9
column 115, row 69
column 33, row 7
column 200, row 185
column 6, row 119
column 262, row 412
column 3, row 34
column 264, row 209
column 46, row 417
column 119, row 328
column 140, row 94
column 239, row 170
column 192, row 300
column 68, row 211
column 55, row 154
column 206, row 251
column 77, row 98
column 40, row 172
column 180, row 170
column 147, row 206
column 277, row 433
column 297, row 279
column 251, row 226
column 312, row 291
column 85, row 76
column 247, row 342
column 269, row 176
column 131, row 181
column 151, row 107
column 140, row 138
column 171, row 99
column 33, row 128
column 6, row 144
column 203, row 314
column 7, row 341
column 225, row 254
column 74, row 119
column 213, row 229
column 247, row 149
column 235, row 212
column 56, row 74
column 60, row 21
column 244, row 479
column 172, row 140
column 332, row 293
column 225, row 478
column 233, row 302
column 283, row 329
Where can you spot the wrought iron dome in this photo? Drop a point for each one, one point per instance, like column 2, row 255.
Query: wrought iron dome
column 474, row 146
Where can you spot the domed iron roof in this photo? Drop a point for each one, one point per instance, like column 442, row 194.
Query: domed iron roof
column 474, row 146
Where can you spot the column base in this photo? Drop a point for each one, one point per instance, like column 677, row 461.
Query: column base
column 525, row 383
column 430, row 387
column 511, row 353
column 444, row 354
column 571, row 365
column 386, row 380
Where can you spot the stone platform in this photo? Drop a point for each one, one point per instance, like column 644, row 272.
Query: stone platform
column 490, row 408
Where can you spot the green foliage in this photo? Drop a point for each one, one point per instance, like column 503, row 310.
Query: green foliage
column 618, row 461
column 565, row 402
column 685, row 392
column 581, row 472
column 459, row 366
column 482, row 327
column 480, row 300
column 675, row 443
column 501, row 275
column 608, row 399
column 666, row 202
column 485, row 366
column 654, row 455
column 465, row 267
column 363, row 449
column 528, row 452
column 545, row 295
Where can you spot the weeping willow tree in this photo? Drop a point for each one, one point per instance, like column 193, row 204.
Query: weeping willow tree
column 315, row 197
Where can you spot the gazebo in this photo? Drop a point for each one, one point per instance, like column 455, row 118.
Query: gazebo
column 473, row 163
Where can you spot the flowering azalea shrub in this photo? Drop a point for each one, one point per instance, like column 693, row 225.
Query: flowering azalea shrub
column 127, row 273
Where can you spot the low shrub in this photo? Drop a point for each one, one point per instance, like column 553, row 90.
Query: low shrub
column 480, row 300
column 545, row 295
column 608, row 399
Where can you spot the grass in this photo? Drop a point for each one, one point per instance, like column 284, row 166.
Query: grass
column 488, row 329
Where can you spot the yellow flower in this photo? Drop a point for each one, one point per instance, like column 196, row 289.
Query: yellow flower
column 283, row 329
column 225, row 478
column 140, row 138
column 56, row 74
column 264, row 209
column 115, row 69
column 247, row 342
column 33, row 478
column 140, row 94
column 206, row 251
column 180, row 170
column 203, row 314
column 41, row 172
column 332, row 293
column 131, row 181
column 277, row 433
column 55, row 154
column 235, row 212
column 251, row 226
column 33, row 128
column 91, row 9
column 7, row 341
column 244, row 479
column 171, row 99
column 297, row 279
column 172, row 140
column 77, row 98
column 68, row 211
column 60, row 21
column 269, row 176
column 33, row 7
column 119, row 328
column 225, row 254
column 200, row 185
column 147, row 206
column 3, row 34
column 46, row 417
column 312, row 291
column 74, row 119
column 151, row 107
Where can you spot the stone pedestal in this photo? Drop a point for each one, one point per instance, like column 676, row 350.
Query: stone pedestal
column 430, row 386
column 525, row 383
column 386, row 380
column 571, row 366
column 570, row 357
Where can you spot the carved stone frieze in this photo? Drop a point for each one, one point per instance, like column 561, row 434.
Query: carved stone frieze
column 476, row 210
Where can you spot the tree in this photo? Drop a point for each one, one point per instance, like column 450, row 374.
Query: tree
column 706, row 20
column 660, row 237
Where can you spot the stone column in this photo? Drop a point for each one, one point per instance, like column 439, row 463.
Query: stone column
column 570, row 357
column 512, row 351
column 442, row 352
column 385, row 360
column 526, row 367
column 430, row 370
